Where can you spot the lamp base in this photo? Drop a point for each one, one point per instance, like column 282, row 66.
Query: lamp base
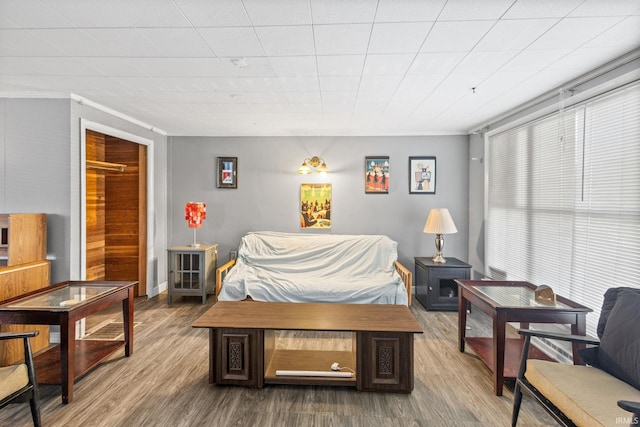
column 439, row 259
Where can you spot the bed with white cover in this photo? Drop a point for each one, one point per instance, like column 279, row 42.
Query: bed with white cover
column 301, row 267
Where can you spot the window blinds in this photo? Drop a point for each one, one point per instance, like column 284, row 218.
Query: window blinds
column 563, row 205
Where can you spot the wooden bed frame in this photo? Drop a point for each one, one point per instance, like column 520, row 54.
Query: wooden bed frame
column 404, row 272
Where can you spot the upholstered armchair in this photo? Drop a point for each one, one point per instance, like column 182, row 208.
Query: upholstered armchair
column 18, row 382
column 605, row 391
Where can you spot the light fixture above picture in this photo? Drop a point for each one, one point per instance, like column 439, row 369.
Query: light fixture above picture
column 439, row 222
column 314, row 162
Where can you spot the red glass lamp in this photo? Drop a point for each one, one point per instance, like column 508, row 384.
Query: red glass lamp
column 195, row 213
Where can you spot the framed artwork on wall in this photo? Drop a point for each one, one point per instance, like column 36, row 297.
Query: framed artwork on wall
column 227, row 172
column 315, row 205
column 422, row 175
column 376, row 175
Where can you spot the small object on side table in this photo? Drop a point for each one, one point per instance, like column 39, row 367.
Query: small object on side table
column 544, row 295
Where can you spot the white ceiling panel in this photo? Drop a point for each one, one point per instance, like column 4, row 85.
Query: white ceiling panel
column 456, row 36
column 341, row 39
column 596, row 8
column 408, row 11
column 398, row 37
column 535, row 9
column 514, row 34
column 286, row 40
column 232, row 41
column 177, row 42
column 340, row 65
column 574, row 32
column 436, row 63
column 30, row 14
column 343, row 12
column 479, row 62
column 216, row 13
column 87, row 14
column 278, row 12
column 294, row 65
column 127, row 42
column 149, row 13
column 388, row 64
column 472, row 9
column 309, row 67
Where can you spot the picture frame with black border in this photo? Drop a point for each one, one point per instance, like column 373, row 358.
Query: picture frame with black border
column 376, row 175
column 422, row 175
column 227, row 172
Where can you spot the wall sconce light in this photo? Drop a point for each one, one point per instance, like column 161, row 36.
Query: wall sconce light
column 315, row 162
column 439, row 222
column 195, row 213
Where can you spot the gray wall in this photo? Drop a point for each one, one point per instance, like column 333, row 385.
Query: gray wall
column 40, row 172
column 34, row 169
column 267, row 197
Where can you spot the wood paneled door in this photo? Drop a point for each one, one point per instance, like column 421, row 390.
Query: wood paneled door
column 116, row 206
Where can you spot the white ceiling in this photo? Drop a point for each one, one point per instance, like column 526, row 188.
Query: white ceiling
column 308, row 67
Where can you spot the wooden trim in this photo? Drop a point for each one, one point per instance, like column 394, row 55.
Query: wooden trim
column 221, row 272
column 407, row 278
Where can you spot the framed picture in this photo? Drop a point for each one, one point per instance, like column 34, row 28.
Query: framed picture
column 315, row 205
column 227, row 172
column 376, row 174
column 422, row 175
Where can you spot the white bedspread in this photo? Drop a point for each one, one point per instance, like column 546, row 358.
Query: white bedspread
column 296, row 267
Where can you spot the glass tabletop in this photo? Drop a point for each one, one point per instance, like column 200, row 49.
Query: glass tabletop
column 64, row 297
column 515, row 296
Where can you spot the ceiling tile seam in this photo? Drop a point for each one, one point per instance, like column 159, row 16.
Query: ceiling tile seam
column 266, row 56
column 548, row 65
column 184, row 15
column 395, row 91
column 355, row 101
column 315, row 56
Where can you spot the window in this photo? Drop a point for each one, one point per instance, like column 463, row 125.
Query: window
column 563, row 204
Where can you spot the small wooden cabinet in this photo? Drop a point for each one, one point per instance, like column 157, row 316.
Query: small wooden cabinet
column 192, row 271
column 23, row 238
column 435, row 285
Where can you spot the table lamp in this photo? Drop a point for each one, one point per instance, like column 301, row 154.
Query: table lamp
column 439, row 222
column 195, row 213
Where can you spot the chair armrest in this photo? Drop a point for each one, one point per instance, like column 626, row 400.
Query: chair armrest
column 221, row 272
column 581, row 339
column 14, row 335
column 630, row 406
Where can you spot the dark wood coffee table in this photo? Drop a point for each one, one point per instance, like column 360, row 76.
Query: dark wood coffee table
column 242, row 348
column 509, row 301
column 64, row 304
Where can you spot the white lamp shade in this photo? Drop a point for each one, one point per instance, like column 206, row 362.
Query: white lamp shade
column 440, row 222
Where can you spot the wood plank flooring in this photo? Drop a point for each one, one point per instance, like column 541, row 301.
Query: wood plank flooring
column 165, row 383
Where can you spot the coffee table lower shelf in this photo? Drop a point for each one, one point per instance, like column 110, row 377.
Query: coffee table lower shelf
column 483, row 347
column 88, row 354
column 309, row 360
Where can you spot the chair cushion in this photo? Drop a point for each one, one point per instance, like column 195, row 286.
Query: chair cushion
column 12, row 379
column 619, row 351
column 586, row 395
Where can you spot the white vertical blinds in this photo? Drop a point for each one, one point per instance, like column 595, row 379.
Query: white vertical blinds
column 563, row 203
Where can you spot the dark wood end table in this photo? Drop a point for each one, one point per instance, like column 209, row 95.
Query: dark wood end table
column 511, row 301
column 64, row 304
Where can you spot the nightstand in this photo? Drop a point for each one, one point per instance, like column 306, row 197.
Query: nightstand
column 435, row 285
column 192, row 271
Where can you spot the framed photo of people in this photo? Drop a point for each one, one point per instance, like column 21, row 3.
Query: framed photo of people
column 376, row 174
column 422, row 175
column 227, row 172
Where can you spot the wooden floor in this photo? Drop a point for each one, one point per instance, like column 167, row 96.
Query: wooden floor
column 165, row 383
